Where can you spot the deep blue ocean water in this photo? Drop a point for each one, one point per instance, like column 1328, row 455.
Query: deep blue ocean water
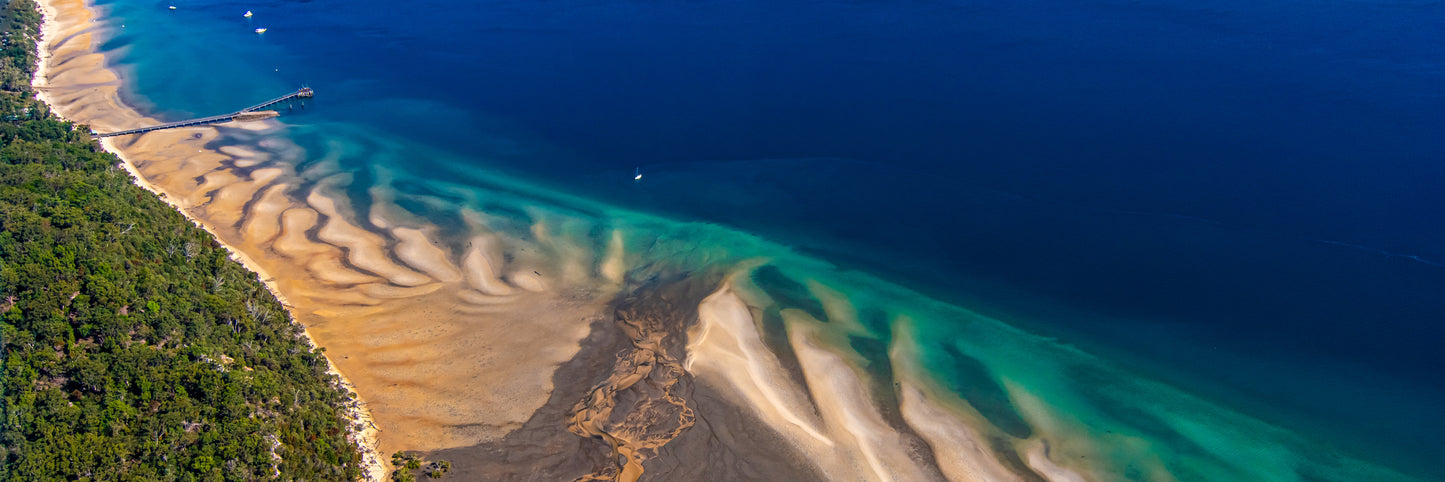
column 1242, row 198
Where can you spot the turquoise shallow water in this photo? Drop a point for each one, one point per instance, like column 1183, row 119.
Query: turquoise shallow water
column 1152, row 264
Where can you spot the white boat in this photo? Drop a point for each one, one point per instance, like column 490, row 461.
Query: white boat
column 248, row 14
column 637, row 174
column 173, row 7
column 260, row 30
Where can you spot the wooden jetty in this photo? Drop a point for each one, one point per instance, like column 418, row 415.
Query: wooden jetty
column 248, row 114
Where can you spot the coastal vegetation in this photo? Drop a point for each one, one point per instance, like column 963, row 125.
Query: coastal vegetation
column 409, row 463
column 134, row 347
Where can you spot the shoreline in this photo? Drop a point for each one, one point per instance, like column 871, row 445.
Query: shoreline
column 472, row 350
column 207, row 190
column 855, row 436
column 373, row 464
column 422, row 322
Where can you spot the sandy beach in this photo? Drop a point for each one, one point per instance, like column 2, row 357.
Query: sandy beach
column 67, row 59
column 396, row 314
column 520, row 354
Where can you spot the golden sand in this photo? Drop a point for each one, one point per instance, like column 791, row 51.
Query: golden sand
column 426, row 332
column 455, row 342
column 832, row 417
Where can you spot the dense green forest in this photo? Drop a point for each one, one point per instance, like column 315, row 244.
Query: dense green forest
column 134, row 348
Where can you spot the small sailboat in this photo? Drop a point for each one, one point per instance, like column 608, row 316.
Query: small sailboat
column 261, row 30
column 248, row 14
column 637, row 175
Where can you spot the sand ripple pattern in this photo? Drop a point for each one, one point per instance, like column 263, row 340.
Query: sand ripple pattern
column 451, row 337
column 459, row 310
column 453, row 331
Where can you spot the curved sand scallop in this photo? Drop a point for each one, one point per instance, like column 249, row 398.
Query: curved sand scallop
column 961, row 453
column 419, row 252
column 430, row 335
column 293, row 242
column 479, row 265
column 263, row 221
column 364, row 249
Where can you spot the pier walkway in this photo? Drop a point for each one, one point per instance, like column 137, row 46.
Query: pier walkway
column 249, row 113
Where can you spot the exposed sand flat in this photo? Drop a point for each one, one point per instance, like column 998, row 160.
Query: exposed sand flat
column 213, row 181
column 478, row 310
column 333, row 297
column 238, row 151
column 387, row 291
column 417, row 250
column 844, row 403
column 725, row 346
column 835, row 419
column 350, row 311
column 293, row 242
column 835, row 305
column 1038, row 459
column 485, row 386
column 243, row 157
column 329, row 267
column 263, row 222
column 252, row 125
column 244, row 162
column 844, row 436
column 961, row 454
column 364, row 249
column 961, row 451
column 228, row 203
column 527, row 280
column 480, row 268
column 478, row 298
column 265, row 176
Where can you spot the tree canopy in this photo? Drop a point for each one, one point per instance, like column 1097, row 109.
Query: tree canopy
column 133, row 347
